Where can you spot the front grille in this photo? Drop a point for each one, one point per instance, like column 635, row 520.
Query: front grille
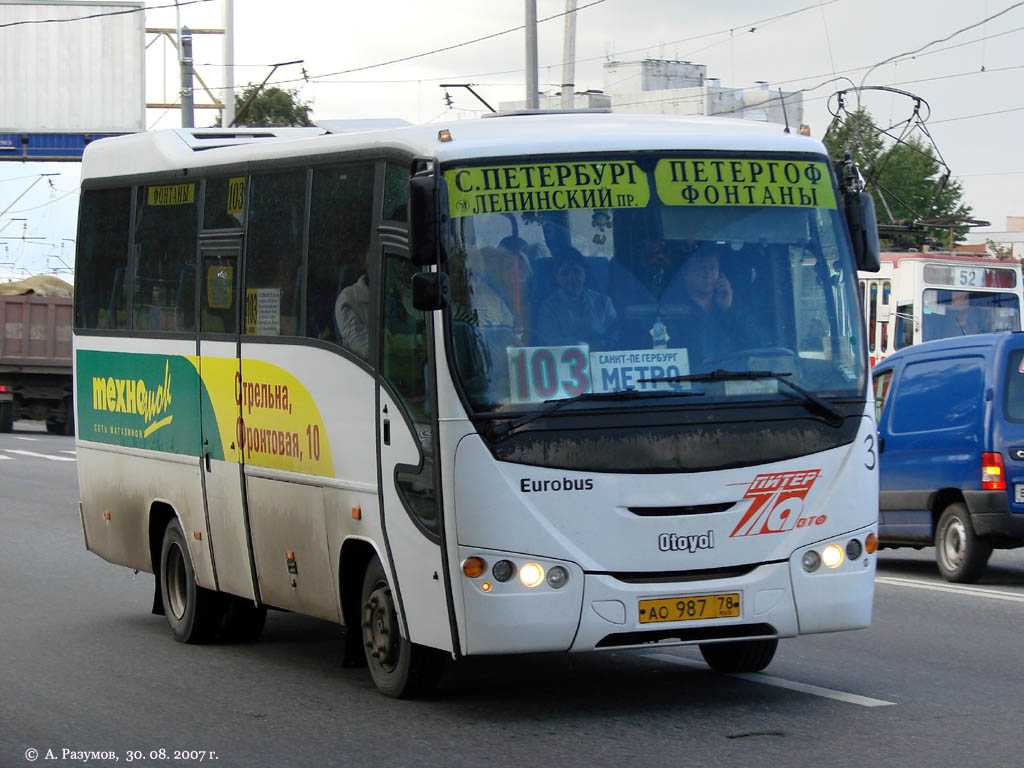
column 671, row 577
column 695, row 509
column 696, row 635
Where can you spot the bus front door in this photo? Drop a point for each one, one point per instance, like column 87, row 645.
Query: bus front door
column 222, row 456
column 407, row 440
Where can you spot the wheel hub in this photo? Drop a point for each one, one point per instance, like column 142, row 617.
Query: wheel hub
column 380, row 628
column 954, row 542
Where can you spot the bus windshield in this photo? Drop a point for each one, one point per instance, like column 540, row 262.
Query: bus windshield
column 948, row 313
column 576, row 276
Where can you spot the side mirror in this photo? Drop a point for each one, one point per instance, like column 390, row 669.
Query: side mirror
column 860, row 217
column 423, row 220
column 430, row 291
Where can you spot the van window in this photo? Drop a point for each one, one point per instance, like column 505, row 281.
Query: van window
column 1015, row 386
column 939, row 394
column 882, row 383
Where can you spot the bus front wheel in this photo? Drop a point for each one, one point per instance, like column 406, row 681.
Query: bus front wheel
column 400, row 669
column 739, row 656
column 193, row 613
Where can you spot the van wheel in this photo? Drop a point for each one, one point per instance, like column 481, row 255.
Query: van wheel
column 739, row 656
column 960, row 555
column 192, row 612
column 399, row 668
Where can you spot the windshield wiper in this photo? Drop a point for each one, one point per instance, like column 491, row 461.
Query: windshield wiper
column 813, row 403
column 498, row 432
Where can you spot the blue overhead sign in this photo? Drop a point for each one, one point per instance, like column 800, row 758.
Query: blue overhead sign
column 50, row 147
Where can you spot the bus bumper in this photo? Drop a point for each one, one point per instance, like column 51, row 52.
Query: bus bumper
column 777, row 600
column 596, row 611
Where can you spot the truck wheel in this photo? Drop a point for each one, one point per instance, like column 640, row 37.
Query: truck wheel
column 68, row 426
column 399, row 668
column 7, row 416
column 193, row 613
column 960, row 555
column 739, row 656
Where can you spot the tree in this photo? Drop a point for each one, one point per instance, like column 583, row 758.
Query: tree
column 272, row 106
column 905, row 179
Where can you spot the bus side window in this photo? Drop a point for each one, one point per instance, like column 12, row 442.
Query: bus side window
column 273, row 266
column 340, row 228
column 101, row 298
column 396, row 193
column 904, row 335
column 165, row 245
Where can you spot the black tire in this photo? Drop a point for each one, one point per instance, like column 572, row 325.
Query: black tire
column 67, row 427
column 7, row 417
column 739, row 656
column 242, row 620
column 960, row 555
column 399, row 668
column 193, row 613
column 54, row 427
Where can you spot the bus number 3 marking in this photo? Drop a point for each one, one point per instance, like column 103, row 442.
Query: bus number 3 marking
column 869, row 441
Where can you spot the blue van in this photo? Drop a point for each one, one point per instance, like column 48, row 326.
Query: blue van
column 950, row 417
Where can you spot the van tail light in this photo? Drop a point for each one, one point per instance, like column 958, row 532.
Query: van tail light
column 993, row 477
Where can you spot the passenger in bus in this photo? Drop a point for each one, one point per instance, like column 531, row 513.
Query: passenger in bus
column 708, row 326
column 967, row 319
column 575, row 315
column 352, row 314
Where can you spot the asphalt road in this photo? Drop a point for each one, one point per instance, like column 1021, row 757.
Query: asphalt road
column 936, row 681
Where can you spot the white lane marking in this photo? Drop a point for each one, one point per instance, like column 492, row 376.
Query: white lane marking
column 959, row 589
column 73, row 453
column 30, row 439
column 2, row 457
column 778, row 682
column 38, row 455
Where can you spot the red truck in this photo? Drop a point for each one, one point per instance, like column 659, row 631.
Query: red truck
column 35, row 362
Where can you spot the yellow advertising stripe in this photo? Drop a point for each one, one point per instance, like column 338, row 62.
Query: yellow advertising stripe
column 744, row 182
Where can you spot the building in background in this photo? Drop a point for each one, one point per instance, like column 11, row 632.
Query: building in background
column 1006, row 244
column 655, row 86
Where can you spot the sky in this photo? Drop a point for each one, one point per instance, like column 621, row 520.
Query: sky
column 968, row 73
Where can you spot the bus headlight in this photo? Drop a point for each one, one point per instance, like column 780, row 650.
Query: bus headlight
column 531, row 575
column 558, row 577
column 832, row 556
column 811, row 561
column 503, row 570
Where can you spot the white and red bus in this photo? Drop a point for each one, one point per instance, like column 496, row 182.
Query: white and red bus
column 919, row 297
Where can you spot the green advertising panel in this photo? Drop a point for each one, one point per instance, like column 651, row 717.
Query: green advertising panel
column 142, row 401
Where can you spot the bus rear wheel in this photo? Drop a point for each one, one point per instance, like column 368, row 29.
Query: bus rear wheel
column 192, row 612
column 400, row 669
column 739, row 656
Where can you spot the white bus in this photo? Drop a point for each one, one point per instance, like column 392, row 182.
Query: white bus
column 531, row 383
column 917, row 297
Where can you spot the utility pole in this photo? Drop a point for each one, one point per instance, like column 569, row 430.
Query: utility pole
column 532, row 99
column 227, row 115
column 188, row 119
column 569, row 56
